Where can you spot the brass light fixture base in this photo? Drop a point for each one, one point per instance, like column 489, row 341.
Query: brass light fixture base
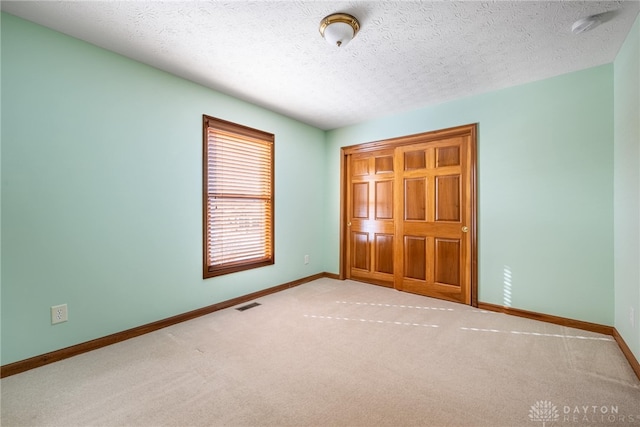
column 344, row 18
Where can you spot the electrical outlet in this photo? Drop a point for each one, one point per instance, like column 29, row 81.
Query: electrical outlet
column 306, row 259
column 59, row 314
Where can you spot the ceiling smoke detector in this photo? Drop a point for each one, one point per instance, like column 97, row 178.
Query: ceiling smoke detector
column 585, row 24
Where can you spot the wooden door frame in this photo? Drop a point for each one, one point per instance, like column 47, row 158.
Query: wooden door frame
column 470, row 130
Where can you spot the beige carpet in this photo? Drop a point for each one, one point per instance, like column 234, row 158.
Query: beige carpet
column 332, row 353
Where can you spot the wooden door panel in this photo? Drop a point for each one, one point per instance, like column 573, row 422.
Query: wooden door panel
column 447, row 200
column 415, row 199
column 384, row 199
column 361, row 200
column 415, row 256
column 414, row 160
column 384, row 253
column 384, row 164
column 448, row 156
column 360, row 167
column 447, row 261
column 360, row 251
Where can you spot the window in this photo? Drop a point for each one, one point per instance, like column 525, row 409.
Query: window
column 237, row 197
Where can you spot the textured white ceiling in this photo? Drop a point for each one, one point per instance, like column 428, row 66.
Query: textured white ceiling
column 408, row 54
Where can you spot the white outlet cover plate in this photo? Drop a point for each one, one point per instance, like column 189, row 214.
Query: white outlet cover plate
column 59, row 314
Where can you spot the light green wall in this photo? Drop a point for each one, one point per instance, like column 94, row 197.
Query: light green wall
column 101, row 187
column 101, row 178
column 627, row 189
column 0, row 190
column 545, row 178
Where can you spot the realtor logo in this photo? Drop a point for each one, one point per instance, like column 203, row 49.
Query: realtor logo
column 544, row 411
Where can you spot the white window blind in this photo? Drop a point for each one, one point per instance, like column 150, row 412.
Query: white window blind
column 239, row 197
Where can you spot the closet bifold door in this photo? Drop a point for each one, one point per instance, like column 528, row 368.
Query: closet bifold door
column 409, row 214
column 370, row 217
column 434, row 217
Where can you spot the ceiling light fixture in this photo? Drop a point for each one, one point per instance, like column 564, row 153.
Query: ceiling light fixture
column 338, row 29
column 585, row 24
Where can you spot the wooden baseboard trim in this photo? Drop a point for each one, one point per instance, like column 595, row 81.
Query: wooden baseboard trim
column 571, row 323
column 563, row 321
column 74, row 350
column 627, row 352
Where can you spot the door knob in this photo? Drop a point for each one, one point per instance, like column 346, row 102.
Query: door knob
column 465, row 229
column 349, row 224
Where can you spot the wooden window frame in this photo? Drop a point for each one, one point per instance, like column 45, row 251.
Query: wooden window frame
column 250, row 136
